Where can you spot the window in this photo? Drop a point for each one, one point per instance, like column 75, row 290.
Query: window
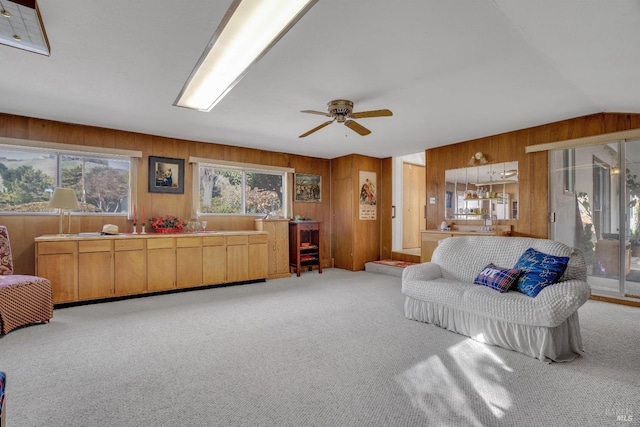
column 29, row 175
column 240, row 190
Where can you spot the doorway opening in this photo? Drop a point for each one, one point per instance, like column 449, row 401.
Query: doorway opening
column 409, row 201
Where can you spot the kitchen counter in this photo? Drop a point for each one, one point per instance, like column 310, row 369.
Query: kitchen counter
column 431, row 238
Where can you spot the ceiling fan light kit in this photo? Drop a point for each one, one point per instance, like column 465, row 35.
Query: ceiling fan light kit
column 341, row 111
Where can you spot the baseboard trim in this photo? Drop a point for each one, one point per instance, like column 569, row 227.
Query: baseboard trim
column 614, row 300
column 149, row 294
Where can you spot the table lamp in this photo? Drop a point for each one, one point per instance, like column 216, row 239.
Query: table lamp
column 64, row 198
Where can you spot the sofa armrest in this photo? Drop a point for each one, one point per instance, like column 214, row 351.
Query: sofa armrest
column 563, row 299
column 423, row 271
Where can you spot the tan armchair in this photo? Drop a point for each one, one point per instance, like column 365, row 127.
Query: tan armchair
column 23, row 299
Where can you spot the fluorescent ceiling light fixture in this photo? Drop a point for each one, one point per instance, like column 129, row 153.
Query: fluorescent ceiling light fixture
column 247, row 31
column 21, row 26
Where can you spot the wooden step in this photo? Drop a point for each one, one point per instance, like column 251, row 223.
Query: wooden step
column 409, row 256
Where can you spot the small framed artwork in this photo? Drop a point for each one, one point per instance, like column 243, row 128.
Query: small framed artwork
column 307, row 188
column 368, row 196
column 166, row 175
column 447, row 199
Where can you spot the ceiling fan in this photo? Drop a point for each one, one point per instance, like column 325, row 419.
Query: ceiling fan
column 341, row 110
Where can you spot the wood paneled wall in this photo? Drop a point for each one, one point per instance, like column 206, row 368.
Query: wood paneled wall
column 385, row 201
column 24, row 228
column 532, row 168
column 346, row 238
column 355, row 241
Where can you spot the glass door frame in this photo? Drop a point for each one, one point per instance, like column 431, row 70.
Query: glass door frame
column 563, row 165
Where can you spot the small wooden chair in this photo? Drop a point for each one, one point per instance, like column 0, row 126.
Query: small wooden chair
column 23, row 299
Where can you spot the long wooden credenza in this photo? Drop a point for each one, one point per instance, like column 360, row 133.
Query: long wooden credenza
column 92, row 267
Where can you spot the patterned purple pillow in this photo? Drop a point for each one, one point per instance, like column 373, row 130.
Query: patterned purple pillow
column 497, row 278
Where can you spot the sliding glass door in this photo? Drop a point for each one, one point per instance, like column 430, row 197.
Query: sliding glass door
column 595, row 206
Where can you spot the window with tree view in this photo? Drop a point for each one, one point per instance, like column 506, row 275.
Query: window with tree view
column 28, row 178
column 226, row 190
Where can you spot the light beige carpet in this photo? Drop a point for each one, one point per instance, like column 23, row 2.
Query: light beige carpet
column 330, row 349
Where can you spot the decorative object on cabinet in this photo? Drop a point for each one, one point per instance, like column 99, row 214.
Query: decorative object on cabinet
column 308, row 188
column 23, row 299
column 166, row 175
column 63, row 199
column 305, row 245
column 167, row 224
column 110, row 229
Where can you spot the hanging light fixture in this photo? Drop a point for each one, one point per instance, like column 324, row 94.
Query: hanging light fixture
column 21, row 26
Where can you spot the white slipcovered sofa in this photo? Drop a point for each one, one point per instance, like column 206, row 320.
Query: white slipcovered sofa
column 546, row 326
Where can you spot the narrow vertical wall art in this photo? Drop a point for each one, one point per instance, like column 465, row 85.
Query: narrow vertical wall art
column 368, row 205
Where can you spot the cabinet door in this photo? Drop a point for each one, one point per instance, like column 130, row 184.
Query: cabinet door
column 62, row 271
column 189, row 267
column 130, row 270
column 258, row 254
column 214, row 260
column 237, row 258
column 430, row 243
column 271, row 228
column 214, row 264
column 95, row 275
column 95, row 269
column 161, row 269
column 281, row 235
column 58, row 262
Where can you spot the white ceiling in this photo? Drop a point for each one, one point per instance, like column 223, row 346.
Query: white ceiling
column 449, row 70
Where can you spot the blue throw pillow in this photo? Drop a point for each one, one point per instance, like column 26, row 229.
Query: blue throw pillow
column 538, row 270
column 497, row 278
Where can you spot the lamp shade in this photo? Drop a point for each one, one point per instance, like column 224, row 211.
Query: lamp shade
column 64, row 198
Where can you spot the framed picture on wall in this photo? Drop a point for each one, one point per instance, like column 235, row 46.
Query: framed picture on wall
column 368, row 196
column 307, row 188
column 447, row 199
column 166, row 175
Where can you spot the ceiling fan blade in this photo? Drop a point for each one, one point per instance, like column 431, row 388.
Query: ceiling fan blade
column 316, row 112
column 372, row 113
column 357, row 127
column 316, row 128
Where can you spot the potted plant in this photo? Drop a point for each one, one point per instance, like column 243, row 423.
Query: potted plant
column 588, row 238
column 167, row 224
column 633, row 186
